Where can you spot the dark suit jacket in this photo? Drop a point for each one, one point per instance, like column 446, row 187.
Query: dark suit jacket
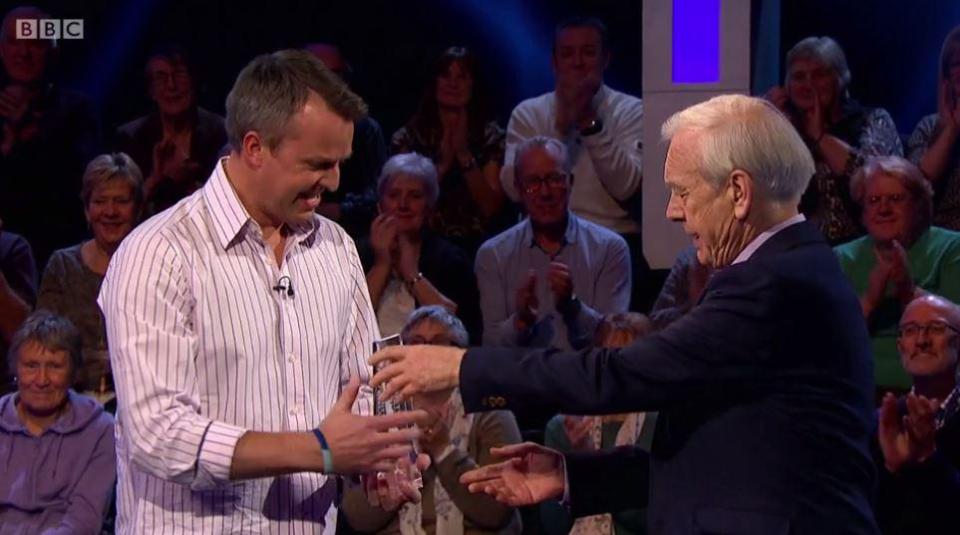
column 764, row 391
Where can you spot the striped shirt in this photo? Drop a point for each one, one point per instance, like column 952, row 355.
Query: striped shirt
column 203, row 349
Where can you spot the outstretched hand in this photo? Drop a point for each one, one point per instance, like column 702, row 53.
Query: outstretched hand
column 530, row 474
column 360, row 444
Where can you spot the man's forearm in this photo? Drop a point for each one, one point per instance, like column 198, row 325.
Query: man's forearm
column 271, row 454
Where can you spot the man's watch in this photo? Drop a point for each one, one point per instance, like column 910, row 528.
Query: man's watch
column 594, row 127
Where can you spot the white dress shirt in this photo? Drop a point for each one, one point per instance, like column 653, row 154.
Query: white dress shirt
column 203, row 349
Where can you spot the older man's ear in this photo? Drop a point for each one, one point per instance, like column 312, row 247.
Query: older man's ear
column 741, row 191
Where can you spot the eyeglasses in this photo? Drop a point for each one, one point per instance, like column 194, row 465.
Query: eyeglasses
column 162, row 78
column 533, row 184
column 934, row 328
column 894, row 199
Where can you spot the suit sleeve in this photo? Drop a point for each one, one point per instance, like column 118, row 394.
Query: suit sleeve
column 609, row 481
column 728, row 339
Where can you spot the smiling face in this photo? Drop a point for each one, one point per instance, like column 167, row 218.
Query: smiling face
column 111, row 212
column 454, row 86
column 25, row 60
column 809, row 77
column 890, row 212
column 544, row 187
column 171, row 86
column 578, row 54
column 43, row 378
column 930, row 349
column 294, row 175
column 703, row 209
column 405, row 199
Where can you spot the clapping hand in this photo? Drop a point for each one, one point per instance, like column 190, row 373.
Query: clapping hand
column 908, row 439
column 527, row 303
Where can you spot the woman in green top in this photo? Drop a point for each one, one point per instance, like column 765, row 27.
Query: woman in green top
column 902, row 255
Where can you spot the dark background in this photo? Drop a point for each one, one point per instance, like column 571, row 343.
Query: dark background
column 892, row 45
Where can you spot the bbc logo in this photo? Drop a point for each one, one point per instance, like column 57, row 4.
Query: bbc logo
column 49, row 29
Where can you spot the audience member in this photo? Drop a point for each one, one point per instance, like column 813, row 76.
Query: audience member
column 452, row 127
column 548, row 280
column 112, row 197
column 353, row 204
column 601, row 129
column 456, row 442
column 901, row 256
column 179, row 142
column 919, row 434
column 56, row 446
column 839, row 131
column 47, row 135
column 18, row 291
column 682, row 290
column 567, row 433
column 408, row 265
column 935, row 143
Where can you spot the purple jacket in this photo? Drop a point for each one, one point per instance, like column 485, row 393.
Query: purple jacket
column 61, row 481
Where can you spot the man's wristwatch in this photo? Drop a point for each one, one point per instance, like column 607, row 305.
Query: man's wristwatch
column 594, row 127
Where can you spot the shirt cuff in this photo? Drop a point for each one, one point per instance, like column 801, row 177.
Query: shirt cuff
column 565, row 500
column 216, row 455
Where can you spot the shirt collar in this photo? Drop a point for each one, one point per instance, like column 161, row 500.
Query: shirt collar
column 570, row 235
column 231, row 220
column 752, row 247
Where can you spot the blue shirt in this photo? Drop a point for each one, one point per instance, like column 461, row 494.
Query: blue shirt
column 599, row 263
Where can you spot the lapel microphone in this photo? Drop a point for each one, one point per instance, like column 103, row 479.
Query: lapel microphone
column 284, row 284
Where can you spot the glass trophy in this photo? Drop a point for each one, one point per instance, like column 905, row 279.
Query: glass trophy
column 382, row 406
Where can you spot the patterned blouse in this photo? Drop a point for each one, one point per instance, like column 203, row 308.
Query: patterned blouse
column 827, row 202
column 457, row 216
column 946, row 211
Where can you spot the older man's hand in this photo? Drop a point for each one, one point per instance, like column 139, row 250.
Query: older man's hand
column 416, row 369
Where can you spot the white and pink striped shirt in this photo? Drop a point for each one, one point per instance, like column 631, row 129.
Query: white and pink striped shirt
column 203, row 349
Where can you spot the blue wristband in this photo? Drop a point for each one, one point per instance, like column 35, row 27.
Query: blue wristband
column 324, row 451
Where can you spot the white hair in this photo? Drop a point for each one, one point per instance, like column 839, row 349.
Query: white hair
column 751, row 135
column 826, row 51
column 412, row 165
column 553, row 146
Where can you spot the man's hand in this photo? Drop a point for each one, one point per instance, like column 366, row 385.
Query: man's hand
column 527, row 304
column 530, row 474
column 561, row 283
column 909, row 439
column 417, row 369
column 360, row 444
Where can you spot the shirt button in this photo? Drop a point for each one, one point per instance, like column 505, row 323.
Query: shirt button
column 292, row 358
column 296, row 409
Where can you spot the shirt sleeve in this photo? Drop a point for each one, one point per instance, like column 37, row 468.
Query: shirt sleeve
column 498, row 323
column 148, row 304
column 359, row 335
column 616, row 149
